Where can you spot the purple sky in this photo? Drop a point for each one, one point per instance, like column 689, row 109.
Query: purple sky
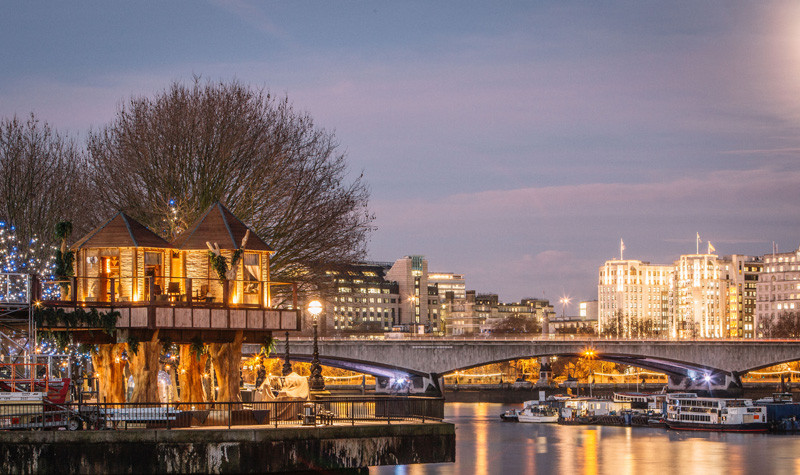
column 514, row 142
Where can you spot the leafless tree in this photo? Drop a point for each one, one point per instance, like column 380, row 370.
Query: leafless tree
column 42, row 180
column 165, row 159
column 516, row 324
column 785, row 325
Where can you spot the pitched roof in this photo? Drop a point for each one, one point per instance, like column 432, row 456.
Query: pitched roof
column 219, row 225
column 121, row 231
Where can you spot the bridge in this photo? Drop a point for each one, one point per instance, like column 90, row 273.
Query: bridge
column 690, row 365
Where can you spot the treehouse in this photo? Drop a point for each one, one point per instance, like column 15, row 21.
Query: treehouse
column 212, row 281
column 218, row 230
column 114, row 262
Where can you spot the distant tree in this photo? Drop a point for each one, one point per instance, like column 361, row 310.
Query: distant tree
column 583, row 329
column 785, row 325
column 614, row 326
column 165, row 159
column 621, row 325
column 516, row 324
column 42, row 181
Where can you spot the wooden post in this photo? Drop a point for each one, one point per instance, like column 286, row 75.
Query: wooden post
column 151, row 293
column 73, row 289
column 189, row 292
column 113, row 291
column 226, row 292
column 261, row 286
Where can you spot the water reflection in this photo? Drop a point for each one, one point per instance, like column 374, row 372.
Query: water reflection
column 486, row 445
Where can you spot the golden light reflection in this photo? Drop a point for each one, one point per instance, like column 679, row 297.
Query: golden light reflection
column 530, row 456
column 481, row 441
column 590, row 452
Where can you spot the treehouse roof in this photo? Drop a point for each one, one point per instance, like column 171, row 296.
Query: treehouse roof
column 121, row 231
column 218, row 225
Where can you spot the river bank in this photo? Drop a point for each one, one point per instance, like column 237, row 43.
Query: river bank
column 511, row 395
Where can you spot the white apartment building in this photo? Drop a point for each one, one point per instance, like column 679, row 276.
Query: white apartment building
column 638, row 290
column 700, row 297
column 778, row 289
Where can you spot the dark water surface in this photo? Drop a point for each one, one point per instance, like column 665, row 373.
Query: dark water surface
column 486, row 445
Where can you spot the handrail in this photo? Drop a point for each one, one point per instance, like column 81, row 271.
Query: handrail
column 170, row 415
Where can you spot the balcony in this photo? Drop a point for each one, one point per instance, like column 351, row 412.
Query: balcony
column 179, row 308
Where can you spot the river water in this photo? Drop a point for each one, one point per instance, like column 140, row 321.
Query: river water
column 486, row 445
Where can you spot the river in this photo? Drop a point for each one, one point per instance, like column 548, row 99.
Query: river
column 486, row 445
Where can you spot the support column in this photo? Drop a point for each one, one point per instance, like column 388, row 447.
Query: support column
column 226, row 359
column 109, row 368
column 144, row 366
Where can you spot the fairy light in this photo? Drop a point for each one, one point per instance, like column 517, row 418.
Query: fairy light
column 35, row 257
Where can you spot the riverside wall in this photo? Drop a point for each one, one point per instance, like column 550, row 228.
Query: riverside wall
column 261, row 450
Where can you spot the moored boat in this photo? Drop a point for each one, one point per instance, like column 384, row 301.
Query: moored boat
column 533, row 411
column 510, row 416
column 715, row 414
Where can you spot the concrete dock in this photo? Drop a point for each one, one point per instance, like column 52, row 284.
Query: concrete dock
column 242, row 449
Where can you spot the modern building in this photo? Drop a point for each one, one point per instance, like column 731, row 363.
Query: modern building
column 778, row 288
column 363, row 300
column 742, row 273
column 449, row 282
column 587, row 310
column 411, row 275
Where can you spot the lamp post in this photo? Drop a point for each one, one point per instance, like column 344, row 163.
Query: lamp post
column 287, row 365
column 315, row 381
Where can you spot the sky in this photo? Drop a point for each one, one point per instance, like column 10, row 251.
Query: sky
column 513, row 142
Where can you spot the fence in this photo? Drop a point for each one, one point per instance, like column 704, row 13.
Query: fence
column 35, row 414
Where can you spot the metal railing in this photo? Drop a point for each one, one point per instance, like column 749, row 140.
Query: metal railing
column 39, row 414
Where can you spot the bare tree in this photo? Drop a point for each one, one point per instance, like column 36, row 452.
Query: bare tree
column 785, row 325
column 165, row 159
column 516, row 324
column 42, row 180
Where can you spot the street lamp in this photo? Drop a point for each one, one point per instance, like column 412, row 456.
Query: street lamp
column 315, row 381
column 564, row 302
column 287, row 365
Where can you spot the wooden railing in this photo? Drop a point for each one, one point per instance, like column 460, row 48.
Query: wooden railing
column 164, row 291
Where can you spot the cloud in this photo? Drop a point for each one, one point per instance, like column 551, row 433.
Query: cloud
column 553, row 238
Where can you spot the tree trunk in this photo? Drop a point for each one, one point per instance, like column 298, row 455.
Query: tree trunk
column 226, row 358
column 109, row 368
column 190, row 372
column 144, row 368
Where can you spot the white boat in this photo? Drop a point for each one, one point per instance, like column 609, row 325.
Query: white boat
column 532, row 411
column 715, row 414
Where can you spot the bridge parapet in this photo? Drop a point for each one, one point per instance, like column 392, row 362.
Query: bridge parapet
column 688, row 363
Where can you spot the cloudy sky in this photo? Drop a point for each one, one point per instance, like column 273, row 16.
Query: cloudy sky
column 514, row 142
